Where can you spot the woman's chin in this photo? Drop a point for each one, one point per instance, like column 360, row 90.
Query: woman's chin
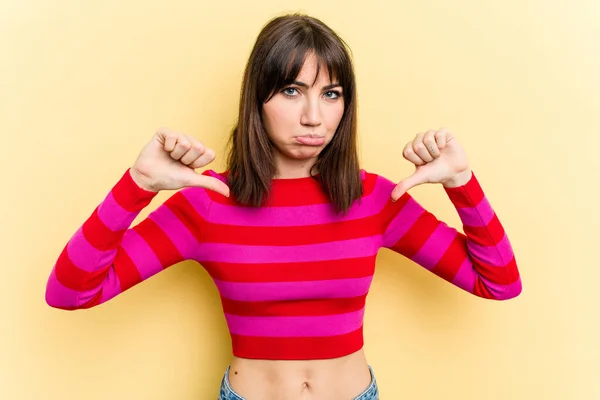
column 304, row 154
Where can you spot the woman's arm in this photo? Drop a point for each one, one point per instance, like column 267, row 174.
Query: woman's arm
column 481, row 261
column 105, row 256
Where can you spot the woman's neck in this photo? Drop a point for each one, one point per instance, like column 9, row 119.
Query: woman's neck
column 290, row 171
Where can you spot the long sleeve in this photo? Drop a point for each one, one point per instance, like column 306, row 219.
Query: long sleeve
column 105, row 256
column 480, row 261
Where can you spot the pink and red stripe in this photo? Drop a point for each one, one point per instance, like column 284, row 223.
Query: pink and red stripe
column 294, row 276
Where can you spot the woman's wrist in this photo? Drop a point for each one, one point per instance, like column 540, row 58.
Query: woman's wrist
column 460, row 179
column 139, row 181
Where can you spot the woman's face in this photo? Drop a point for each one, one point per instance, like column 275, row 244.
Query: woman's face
column 302, row 118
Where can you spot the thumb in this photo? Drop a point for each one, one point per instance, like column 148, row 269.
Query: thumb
column 195, row 179
column 418, row 178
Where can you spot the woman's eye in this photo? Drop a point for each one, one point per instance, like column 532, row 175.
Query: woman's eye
column 289, row 91
column 332, row 94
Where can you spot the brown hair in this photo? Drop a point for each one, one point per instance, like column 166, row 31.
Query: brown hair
column 276, row 60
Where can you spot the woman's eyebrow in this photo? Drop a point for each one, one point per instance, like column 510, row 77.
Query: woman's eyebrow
column 323, row 88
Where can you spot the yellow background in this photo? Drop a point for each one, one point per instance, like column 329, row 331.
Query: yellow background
column 84, row 85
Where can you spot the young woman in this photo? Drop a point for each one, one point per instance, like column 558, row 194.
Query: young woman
column 290, row 231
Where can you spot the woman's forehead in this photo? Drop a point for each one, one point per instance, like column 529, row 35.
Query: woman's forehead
column 313, row 69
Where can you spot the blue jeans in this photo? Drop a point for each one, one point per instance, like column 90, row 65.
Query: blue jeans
column 227, row 393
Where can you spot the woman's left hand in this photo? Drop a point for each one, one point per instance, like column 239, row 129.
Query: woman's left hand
column 438, row 158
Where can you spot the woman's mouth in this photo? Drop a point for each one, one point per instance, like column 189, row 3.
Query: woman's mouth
column 310, row 140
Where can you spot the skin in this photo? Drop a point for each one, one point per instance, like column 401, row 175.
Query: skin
column 301, row 109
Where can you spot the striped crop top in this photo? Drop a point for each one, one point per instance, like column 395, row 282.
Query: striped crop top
column 292, row 276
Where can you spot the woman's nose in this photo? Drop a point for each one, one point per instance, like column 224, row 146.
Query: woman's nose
column 311, row 113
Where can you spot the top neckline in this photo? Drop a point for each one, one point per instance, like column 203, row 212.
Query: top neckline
column 300, row 179
column 284, row 181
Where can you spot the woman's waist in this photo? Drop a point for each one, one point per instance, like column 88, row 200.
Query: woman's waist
column 345, row 376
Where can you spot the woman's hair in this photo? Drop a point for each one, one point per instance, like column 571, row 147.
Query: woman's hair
column 276, row 60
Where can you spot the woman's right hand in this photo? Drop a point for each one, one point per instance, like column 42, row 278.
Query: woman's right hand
column 168, row 162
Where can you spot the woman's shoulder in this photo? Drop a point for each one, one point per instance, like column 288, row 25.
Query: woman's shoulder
column 219, row 175
column 375, row 179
